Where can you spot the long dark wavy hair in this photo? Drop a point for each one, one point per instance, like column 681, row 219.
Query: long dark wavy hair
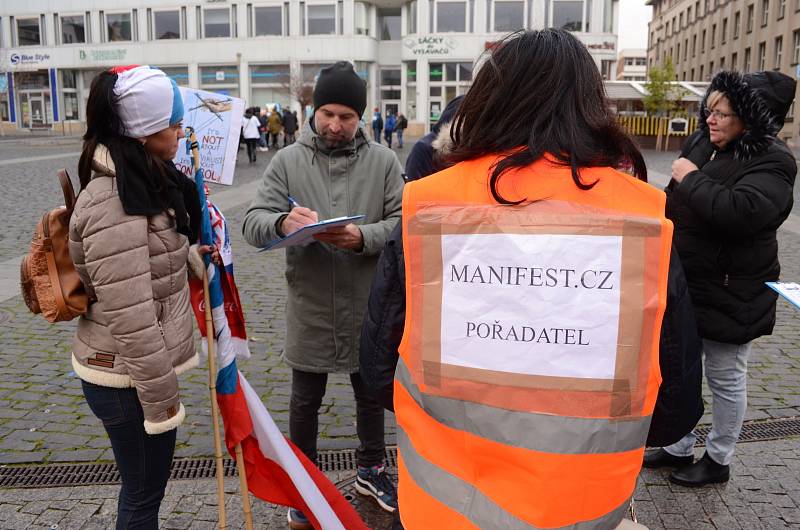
column 104, row 126
column 540, row 92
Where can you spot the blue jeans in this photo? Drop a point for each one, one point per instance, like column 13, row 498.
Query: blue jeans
column 399, row 133
column 376, row 134
column 143, row 460
column 725, row 366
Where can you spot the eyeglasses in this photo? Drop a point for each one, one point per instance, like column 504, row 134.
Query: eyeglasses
column 720, row 115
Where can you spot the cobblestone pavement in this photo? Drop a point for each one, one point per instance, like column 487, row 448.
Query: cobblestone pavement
column 45, row 419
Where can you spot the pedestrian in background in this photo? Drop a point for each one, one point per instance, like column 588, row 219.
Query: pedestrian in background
column 263, row 140
column 377, row 125
column 275, row 125
column 129, row 239
column 391, row 121
column 289, row 127
column 331, row 171
column 400, row 127
column 731, row 190
column 251, row 134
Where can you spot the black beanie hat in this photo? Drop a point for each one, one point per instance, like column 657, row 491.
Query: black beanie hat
column 339, row 83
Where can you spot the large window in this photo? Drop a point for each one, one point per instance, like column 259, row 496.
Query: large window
column 362, row 18
column 750, row 17
column 391, row 87
column 267, row 20
column 321, row 19
column 764, row 12
column 269, row 84
column 411, row 89
column 411, row 16
column 28, row 32
column 311, row 71
column 166, row 25
column 447, row 80
column 762, row 56
column 778, row 57
column 180, row 74
column 568, row 15
column 746, row 64
column 451, row 17
column 118, row 27
column 73, row 29
column 221, row 79
column 217, row 23
column 509, row 16
column 69, row 95
column 389, row 23
column 796, row 47
column 736, row 23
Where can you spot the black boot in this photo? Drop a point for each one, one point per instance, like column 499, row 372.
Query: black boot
column 704, row 471
column 656, row 458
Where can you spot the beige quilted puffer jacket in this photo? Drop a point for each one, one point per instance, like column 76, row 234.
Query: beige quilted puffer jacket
column 138, row 332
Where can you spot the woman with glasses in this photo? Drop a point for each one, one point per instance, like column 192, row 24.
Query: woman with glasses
column 731, row 189
column 130, row 237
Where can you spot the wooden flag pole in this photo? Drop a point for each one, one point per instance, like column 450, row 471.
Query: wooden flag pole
column 248, row 513
column 212, row 386
column 212, row 368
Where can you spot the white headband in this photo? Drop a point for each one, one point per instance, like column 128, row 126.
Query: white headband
column 147, row 101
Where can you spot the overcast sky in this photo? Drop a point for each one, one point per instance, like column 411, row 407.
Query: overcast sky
column 633, row 19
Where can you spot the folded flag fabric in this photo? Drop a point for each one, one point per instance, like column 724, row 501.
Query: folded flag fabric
column 277, row 471
column 226, row 310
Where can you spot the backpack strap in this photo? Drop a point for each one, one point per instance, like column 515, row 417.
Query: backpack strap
column 66, row 187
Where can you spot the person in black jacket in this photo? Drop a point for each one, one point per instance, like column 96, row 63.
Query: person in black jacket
column 731, row 189
column 422, row 160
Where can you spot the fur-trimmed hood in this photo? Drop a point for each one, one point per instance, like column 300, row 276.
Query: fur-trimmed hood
column 760, row 99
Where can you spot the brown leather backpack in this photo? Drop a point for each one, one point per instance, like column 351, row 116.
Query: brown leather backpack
column 50, row 284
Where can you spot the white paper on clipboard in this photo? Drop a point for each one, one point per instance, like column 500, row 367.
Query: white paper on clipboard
column 788, row 290
column 305, row 235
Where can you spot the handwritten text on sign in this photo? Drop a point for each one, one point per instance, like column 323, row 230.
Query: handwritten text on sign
column 531, row 304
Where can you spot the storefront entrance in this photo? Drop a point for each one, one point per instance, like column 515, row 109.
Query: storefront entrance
column 35, row 109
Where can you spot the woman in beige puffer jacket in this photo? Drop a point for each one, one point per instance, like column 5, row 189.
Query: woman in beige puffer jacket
column 128, row 240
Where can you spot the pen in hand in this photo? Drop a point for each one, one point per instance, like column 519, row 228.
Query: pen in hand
column 298, row 217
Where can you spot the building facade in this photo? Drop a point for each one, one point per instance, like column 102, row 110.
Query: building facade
column 702, row 37
column 632, row 65
column 415, row 55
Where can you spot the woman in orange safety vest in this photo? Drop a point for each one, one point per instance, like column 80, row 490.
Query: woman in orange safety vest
column 535, row 278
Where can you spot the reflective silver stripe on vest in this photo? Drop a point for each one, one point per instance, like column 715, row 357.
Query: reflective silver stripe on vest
column 539, row 432
column 470, row 502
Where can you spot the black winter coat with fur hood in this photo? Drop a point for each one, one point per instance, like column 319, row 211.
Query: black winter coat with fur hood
column 727, row 213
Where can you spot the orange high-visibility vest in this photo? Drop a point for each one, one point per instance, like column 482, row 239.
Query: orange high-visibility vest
column 504, row 423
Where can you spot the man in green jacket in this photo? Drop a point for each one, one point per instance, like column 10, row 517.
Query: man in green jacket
column 333, row 170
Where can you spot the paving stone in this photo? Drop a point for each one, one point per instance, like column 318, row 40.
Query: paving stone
column 34, row 358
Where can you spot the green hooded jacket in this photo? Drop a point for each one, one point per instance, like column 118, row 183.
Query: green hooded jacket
column 328, row 286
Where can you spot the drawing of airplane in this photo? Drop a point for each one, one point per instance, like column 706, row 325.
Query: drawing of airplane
column 215, row 106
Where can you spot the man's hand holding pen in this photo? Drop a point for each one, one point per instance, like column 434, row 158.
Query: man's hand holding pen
column 298, row 217
column 348, row 236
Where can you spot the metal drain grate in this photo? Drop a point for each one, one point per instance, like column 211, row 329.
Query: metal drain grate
column 54, row 475
column 58, row 475
column 759, row 430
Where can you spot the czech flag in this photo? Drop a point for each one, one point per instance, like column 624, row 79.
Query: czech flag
column 277, row 471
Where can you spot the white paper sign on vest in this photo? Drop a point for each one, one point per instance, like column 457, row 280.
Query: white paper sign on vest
column 536, row 304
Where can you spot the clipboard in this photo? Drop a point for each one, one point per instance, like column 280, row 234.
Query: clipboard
column 305, row 235
column 788, row 290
